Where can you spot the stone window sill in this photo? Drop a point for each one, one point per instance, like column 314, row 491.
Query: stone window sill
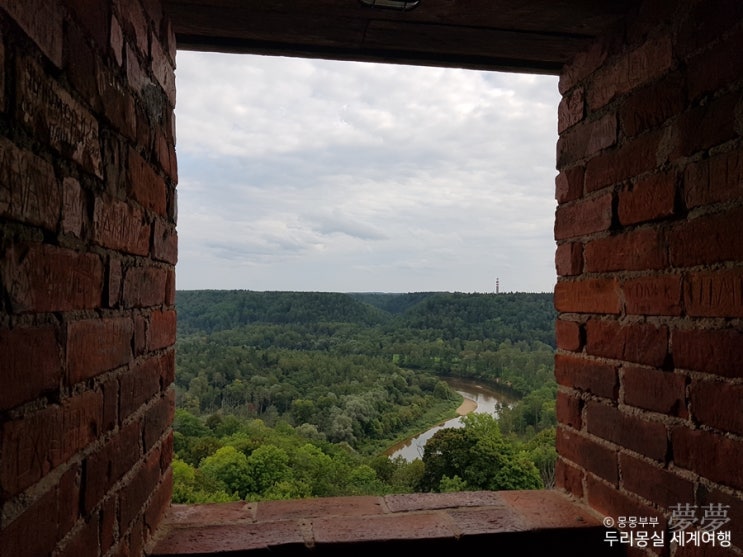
column 527, row 522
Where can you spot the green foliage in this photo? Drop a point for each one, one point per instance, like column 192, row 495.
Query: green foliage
column 477, row 456
column 289, row 394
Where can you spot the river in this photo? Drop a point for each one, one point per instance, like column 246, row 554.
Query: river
column 477, row 398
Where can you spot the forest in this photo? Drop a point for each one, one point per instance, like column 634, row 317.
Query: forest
column 298, row 394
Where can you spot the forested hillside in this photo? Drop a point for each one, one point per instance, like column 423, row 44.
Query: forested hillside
column 342, row 376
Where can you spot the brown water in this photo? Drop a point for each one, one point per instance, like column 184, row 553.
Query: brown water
column 477, row 398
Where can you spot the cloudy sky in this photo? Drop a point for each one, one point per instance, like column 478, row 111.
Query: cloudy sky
column 314, row 175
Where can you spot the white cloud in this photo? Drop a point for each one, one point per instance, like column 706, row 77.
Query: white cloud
column 316, row 175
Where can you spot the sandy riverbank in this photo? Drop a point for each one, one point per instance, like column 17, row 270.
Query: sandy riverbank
column 467, row 406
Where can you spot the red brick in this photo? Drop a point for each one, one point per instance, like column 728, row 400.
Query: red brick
column 140, row 335
column 714, row 293
column 634, row 157
column 107, row 466
column 650, row 198
column 583, row 217
column 569, row 184
column 586, row 375
column 158, row 419
column 117, row 40
column 641, row 343
column 636, row 250
column 134, row 495
column 118, row 104
column 162, row 69
column 568, row 334
column 115, row 281
column 120, row 226
column 581, row 66
column 162, row 329
column 714, row 180
column 167, row 368
column 135, row 25
column 85, row 541
column 653, row 295
column 716, row 68
column 166, row 451
column 717, row 351
column 29, row 191
column 588, row 296
column 97, row 345
column 34, row 532
column 145, row 184
column 709, row 239
column 73, row 207
column 170, row 288
column 705, row 22
column 571, row 109
column 569, row 478
column 54, row 116
column 166, row 156
column 718, row 404
column 109, row 522
column 159, row 504
column 140, row 384
column 94, row 19
column 110, row 404
column 588, row 454
column 654, row 483
column 569, row 259
column 81, row 66
column 707, row 125
column 654, row 390
column 632, row 69
column 611, row 502
column 650, row 107
column 585, row 139
column 144, row 286
column 30, row 365
column 37, row 443
column 165, row 245
column 568, row 409
column 68, row 499
column 43, row 278
column 47, row 31
column 710, row 455
column 629, row 431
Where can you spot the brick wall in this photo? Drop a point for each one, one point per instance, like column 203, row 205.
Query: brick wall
column 87, row 250
column 649, row 228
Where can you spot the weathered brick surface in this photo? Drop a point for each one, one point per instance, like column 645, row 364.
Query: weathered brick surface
column 638, row 343
column 651, row 389
column 568, row 335
column 97, row 345
column 588, row 296
column 637, row 250
column 41, row 441
column 646, row 437
column 44, row 278
column 653, row 482
column 144, row 286
column 568, row 409
column 714, row 180
column 569, row 259
column 569, row 184
column 714, row 294
column 710, row 454
column 718, row 404
column 589, row 375
column 23, row 349
column 583, row 217
column 717, row 351
column 651, row 197
column 88, row 247
column 653, row 295
column 120, row 226
column 589, row 454
column 29, row 191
